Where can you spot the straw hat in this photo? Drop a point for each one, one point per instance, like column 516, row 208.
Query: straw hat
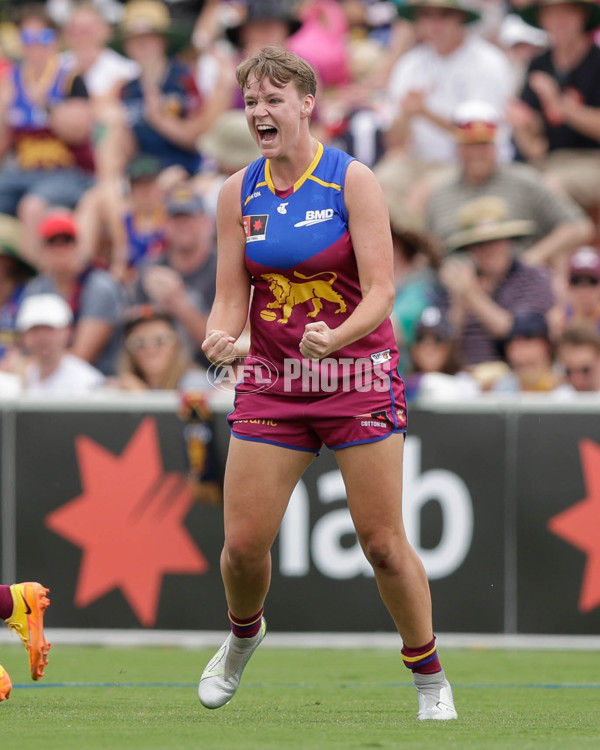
column 150, row 17
column 407, row 10
column 530, row 12
column 229, row 142
column 484, row 220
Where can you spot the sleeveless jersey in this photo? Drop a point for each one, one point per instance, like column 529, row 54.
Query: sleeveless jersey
column 300, row 256
column 36, row 146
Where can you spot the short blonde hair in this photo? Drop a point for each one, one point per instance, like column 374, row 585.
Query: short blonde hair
column 280, row 67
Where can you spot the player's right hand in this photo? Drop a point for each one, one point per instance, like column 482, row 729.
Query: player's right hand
column 219, row 347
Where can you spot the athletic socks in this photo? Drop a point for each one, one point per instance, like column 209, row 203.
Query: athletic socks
column 248, row 627
column 423, row 660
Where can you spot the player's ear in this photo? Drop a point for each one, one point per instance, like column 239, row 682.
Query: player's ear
column 307, row 105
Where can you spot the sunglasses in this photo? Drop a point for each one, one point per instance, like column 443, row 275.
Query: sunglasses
column 583, row 281
column 59, row 239
column 585, row 370
column 139, row 343
column 44, row 37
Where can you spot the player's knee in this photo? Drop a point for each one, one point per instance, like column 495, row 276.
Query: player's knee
column 241, row 554
column 380, row 552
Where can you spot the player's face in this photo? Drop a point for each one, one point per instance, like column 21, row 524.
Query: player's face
column 275, row 115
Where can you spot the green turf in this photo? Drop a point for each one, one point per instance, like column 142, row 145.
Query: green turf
column 93, row 698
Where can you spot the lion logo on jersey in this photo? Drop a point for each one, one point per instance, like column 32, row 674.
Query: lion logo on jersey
column 288, row 294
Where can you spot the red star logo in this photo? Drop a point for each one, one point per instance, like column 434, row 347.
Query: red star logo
column 580, row 526
column 129, row 523
column 257, row 225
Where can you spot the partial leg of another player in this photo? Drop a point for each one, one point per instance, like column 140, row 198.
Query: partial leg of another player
column 259, row 479
column 373, row 477
column 22, row 606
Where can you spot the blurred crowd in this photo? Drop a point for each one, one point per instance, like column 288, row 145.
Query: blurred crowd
column 120, row 121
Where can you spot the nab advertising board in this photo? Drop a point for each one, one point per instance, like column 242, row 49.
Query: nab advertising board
column 502, row 507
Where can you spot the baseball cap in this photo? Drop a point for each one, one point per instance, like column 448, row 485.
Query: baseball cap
column 585, row 262
column 434, row 322
column 476, row 122
column 529, row 325
column 513, row 30
column 58, row 222
column 184, row 201
column 44, row 310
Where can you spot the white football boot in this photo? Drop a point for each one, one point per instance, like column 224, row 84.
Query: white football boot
column 435, row 697
column 223, row 673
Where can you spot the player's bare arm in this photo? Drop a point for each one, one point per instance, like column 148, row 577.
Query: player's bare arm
column 230, row 308
column 371, row 238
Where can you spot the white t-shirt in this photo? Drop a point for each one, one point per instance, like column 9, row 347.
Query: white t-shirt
column 73, row 377
column 476, row 70
column 109, row 69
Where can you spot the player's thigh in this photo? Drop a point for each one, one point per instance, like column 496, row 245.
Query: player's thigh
column 372, row 475
column 259, row 479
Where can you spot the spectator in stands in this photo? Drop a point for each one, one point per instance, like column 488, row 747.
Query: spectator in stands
column 561, row 225
column 182, row 281
column 578, row 353
column 14, row 274
column 582, row 298
column 226, row 147
column 530, row 355
column 522, row 43
column 323, row 41
column 163, row 111
column 44, row 322
column 86, row 34
column 557, row 123
column 95, row 298
column 415, row 276
column 447, row 67
column 436, row 370
column 265, row 22
column 123, row 228
column 487, row 286
column 154, row 356
column 45, row 129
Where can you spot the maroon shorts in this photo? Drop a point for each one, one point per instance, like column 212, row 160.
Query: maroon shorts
column 337, row 420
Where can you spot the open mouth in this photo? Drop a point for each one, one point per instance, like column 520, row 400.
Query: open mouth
column 266, row 133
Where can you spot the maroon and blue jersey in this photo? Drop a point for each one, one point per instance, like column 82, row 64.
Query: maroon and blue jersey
column 300, row 256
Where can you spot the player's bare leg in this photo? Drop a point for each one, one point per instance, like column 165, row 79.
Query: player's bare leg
column 373, row 477
column 259, row 480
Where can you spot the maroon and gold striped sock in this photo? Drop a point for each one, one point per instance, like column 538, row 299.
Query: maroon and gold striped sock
column 423, row 660
column 246, row 627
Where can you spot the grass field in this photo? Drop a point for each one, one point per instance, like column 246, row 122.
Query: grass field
column 118, row 698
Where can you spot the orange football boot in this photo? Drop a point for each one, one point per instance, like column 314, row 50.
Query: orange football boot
column 27, row 619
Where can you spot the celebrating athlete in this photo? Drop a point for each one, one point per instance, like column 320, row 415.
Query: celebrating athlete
column 306, row 229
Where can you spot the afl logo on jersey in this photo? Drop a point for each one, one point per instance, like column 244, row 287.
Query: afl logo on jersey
column 255, row 227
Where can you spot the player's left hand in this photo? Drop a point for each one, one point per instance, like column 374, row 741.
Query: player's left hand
column 318, row 340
